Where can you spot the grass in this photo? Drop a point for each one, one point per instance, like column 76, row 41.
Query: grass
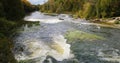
column 5, row 51
column 7, row 28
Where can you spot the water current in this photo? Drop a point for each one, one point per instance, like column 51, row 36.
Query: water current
column 59, row 38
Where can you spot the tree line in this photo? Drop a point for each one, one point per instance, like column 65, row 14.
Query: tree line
column 15, row 9
column 84, row 8
column 11, row 9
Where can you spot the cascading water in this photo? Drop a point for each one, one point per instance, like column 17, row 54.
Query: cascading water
column 44, row 40
column 48, row 43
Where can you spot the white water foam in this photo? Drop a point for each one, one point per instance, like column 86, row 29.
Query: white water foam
column 37, row 16
column 56, row 48
column 44, row 40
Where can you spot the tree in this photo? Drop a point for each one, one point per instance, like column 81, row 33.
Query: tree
column 13, row 9
column 1, row 10
column 28, row 7
column 85, row 8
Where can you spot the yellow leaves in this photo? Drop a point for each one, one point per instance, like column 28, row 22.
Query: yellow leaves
column 26, row 2
column 86, row 9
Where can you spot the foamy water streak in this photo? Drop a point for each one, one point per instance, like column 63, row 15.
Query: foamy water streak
column 56, row 47
column 37, row 16
column 46, row 42
column 109, row 55
column 38, row 42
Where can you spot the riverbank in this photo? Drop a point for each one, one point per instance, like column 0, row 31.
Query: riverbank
column 112, row 20
column 7, row 28
column 7, row 31
column 60, row 38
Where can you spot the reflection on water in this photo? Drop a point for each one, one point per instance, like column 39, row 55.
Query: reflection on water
column 47, row 42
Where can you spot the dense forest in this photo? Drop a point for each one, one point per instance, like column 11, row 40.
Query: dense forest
column 12, row 9
column 15, row 10
column 11, row 15
column 84, row 8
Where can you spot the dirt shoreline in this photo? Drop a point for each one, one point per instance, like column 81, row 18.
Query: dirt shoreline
column 113, row 20
column 106, row 22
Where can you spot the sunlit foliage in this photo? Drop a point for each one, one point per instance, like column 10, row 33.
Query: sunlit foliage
column 84, row 8
column 28, row 7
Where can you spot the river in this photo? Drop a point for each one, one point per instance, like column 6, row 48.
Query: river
column 63, row 39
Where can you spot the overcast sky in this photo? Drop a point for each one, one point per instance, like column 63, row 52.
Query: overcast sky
column 37, row 1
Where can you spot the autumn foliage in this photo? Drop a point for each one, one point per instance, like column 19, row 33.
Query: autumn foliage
column 84, row 8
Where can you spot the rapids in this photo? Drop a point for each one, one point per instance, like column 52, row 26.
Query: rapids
column 48, row 42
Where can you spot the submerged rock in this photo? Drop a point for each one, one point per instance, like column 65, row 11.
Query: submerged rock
column 79, row 35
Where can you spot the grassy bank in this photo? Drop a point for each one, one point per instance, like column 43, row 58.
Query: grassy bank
column 11, row 15
column 6, row 56
column 8, row 29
